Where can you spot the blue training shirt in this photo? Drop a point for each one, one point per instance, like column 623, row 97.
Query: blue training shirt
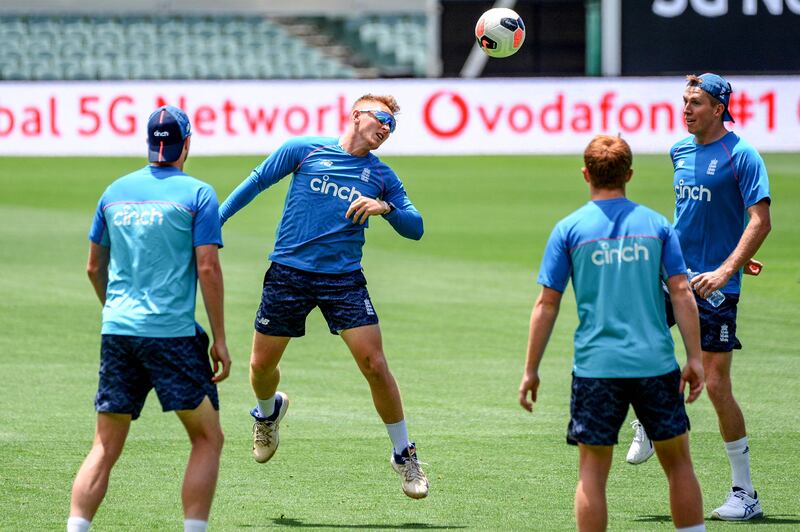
column 616, row 251
column 313, row 234
column 152, row 220
column 715, row 184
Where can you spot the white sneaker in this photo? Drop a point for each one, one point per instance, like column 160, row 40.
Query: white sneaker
column 641, row 447
column 739, row 506
column 415, row 483
column 265, row 430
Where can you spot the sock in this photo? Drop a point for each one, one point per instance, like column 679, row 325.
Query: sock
column 694, row 528
column 78, row 524
column 739, row 457
column 398, row 432
column 195, row 525
column 267, row 406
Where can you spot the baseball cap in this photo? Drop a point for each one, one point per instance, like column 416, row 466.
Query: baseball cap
column 167, row 129
column 720, row 89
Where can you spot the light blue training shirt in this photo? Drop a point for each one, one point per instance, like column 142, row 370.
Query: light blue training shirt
column 715, row 184
column 152, row 220
column 615, row 251
column 313, row 234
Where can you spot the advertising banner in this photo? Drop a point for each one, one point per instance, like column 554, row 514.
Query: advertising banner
column 437, row 117
column 686, row 36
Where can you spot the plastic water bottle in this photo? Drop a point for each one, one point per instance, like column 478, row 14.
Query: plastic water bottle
column 715, row 298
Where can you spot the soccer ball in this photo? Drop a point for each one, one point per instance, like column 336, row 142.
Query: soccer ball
column 500, row 32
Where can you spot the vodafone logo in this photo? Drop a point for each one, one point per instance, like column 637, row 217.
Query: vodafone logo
column 456, row 114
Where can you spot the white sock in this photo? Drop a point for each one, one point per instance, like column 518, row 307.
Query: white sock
column 398, row 432
column 78, row 524
column 266, row 406
column 694, row 528
column 195, row 525
column 739, row 457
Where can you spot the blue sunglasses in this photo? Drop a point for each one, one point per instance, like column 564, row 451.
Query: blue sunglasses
column 383, row 117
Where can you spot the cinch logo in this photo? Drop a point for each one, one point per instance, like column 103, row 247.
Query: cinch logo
column 696, row 192
column 128, row 216
column 326, row 186
column 607, row 255
column 158, row 133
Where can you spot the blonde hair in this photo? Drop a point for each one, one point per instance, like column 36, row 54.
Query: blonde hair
column 386, row 100
column 608, row 160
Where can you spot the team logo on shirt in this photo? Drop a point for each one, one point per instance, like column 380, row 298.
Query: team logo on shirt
column 607, row 255
column 326, row 186
column 128, row 216
column 712, row 167
column 365, row 175
column 696, row 192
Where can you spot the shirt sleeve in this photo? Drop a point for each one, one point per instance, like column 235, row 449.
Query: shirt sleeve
column 404, row 217
column 556, row 265
column 753, row 179
column 98, row 233
column 671, row 256
column 206, row 229
column 278, row 165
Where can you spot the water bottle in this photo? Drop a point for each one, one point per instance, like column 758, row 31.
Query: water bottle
column 715, row 298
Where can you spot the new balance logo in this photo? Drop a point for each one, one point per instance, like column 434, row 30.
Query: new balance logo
column 326, row 186
column 326, row 163
column 712, row 167
column 688, row 192
column 263, row 321
column 681, row 163
column 608, row 255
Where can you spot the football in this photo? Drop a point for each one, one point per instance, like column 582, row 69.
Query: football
column 500, row 32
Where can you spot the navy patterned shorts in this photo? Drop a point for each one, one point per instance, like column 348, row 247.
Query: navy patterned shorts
column 290, row 294
column 130, row 366
column 717, row 325
column 599, row 406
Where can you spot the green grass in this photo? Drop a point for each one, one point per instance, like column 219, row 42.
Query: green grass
column 454, row 310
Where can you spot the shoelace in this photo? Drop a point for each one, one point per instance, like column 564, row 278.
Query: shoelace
column 412, row 470
column 264, row 431
column 638, row 436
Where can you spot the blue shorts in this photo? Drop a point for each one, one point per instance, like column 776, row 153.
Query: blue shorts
column 599, row 406
column 717, row 324
column 130, row 366
column 290, row 294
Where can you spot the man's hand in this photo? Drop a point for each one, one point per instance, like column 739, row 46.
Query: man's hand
column 753, row 267
column 364, row 207
column 693, row 375
column 220, row 356
column 705, row 283
column 529, row 384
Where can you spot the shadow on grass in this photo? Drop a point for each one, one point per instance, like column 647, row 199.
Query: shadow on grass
column 787, row 519
column 299, row 523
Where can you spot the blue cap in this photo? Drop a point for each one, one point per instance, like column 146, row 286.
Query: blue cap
column 720, row 89
column 167, row 130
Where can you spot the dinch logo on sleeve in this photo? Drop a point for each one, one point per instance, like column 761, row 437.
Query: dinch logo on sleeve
column 607, row 255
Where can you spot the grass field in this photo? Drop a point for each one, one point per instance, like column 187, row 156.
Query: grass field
column 454, row 310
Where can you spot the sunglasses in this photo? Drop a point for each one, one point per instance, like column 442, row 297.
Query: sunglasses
column 383, row 117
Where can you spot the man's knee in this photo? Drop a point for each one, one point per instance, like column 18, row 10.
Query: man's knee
column 719, row 388
column 374, row 366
